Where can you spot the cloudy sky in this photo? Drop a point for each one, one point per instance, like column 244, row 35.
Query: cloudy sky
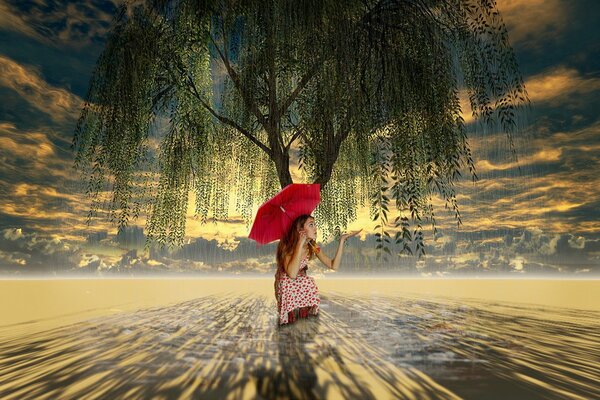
column 543, row 219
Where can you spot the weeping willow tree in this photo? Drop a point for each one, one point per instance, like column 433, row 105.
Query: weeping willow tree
column 193, row 100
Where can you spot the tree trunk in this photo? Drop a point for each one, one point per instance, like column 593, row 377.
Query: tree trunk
column 285, row 178
column 332, row 152
column 282, row 165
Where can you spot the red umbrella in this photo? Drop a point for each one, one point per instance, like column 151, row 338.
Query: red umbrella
column 274, row 218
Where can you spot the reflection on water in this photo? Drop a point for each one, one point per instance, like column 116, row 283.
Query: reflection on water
column 482, row 349
column 359, row 347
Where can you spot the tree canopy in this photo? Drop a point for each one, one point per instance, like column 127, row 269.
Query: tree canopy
column 204, row 96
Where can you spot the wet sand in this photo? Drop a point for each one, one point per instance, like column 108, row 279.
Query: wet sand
column 219, row 338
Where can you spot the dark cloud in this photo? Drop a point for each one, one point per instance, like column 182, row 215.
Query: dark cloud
column 65, row 68
column 96, row 237
column 554, row 32
column 525, row 252
column 131, row 236
column 27, row 252
column 15, row 109
column 72, row 23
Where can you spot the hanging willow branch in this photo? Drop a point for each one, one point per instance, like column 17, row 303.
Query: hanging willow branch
column 214, row 97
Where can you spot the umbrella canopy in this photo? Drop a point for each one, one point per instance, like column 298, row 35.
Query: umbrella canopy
column 274, row 218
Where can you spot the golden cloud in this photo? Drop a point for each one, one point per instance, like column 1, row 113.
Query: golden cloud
column 550, row 86
column 43, row 194
column 533, row 22
column 43, row 148
column 466, row 111
column 48, row 208
column 547, row 149
column 534, row 197
column 58, row 103
column 542, row 156
column 553, row 85
column 480, row 206
column 36, row 148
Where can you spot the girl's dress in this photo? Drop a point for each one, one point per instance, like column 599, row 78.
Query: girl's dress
column 296, row 298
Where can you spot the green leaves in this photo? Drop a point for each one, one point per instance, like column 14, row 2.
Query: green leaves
column 188, row 96
column 379, row 201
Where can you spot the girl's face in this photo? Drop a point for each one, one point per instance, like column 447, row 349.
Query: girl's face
column 311, row 229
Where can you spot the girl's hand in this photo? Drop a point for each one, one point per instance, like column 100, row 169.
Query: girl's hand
column 347, row 235
column 303, row 237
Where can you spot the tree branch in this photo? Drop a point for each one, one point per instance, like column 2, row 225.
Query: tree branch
column 314, row 69
column 426, row 11
column 310, row 143
column 343, row 133
column 303, row 82
column 236, row 81
column 298, row 132
column 294, row 137
column 226, row 120
column 274, row 115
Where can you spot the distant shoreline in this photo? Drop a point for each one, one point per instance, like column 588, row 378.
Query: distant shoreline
column 55, row 301
column 328, row 276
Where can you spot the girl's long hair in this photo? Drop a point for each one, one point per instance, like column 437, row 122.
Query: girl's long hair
column 288, row 242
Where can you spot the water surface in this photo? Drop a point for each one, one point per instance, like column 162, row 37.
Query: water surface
column 373, row 339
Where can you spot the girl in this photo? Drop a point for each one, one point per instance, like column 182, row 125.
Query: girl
column 296, row 293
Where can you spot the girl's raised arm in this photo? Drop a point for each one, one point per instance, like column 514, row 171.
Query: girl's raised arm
column 325, row 260
column 335, row 263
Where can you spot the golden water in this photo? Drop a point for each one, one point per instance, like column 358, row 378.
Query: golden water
column 374, row 339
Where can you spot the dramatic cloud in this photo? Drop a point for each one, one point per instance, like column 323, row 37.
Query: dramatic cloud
column 58, row 22
column 131, row 237
column 555, row 87
column 59, row 104
column 27, row 252
column 556, row 84
column 519, row 251
column 38, row 188
column 33, row 152
column 11, row 20
column 532, row 23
